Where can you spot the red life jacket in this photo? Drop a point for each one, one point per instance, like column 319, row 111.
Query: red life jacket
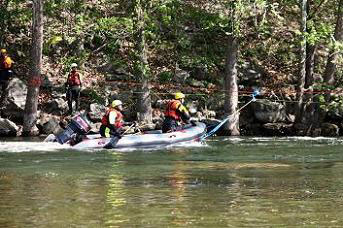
column 74, row 78
column 171, row 112
column 119, row 118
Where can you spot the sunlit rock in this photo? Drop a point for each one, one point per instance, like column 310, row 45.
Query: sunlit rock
column 8, row 128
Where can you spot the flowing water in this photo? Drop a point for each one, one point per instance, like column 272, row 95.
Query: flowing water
column 230, row 182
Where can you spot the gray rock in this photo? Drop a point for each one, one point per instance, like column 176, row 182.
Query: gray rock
column 329, row 130
column 269, row 112
column 52, row 126
column 96, row 112
column 56, row 106
column 14, row 108
column 8, row 128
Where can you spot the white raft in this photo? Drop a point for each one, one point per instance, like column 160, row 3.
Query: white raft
column 76, row 136
column 187, row 134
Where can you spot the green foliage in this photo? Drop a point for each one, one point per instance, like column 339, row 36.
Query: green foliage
column 318, row 31
column 188, row 34
column 328, row 101
column 165, row 76
column 94, row 96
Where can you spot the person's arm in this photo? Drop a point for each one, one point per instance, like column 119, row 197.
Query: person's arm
column 80, row 78
column 184, row 113
column 67, row 82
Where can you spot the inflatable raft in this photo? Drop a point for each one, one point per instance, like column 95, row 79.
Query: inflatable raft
column 79, row 126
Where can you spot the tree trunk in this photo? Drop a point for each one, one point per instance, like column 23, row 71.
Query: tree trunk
column 302, row 62
column 34, row 81
column 311, row 107
column 331, row 66
column 310, row 53
column 231, row 87
column 3, row 21
column 141, row 65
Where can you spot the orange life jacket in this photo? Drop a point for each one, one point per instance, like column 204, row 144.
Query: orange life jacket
column 74, row 78
column 119, row 118
column 6, row 63
column 171, row 112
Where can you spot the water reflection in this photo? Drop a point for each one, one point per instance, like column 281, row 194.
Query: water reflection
column 116, row 193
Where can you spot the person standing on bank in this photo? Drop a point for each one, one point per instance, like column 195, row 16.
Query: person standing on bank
column 175, row 114
column 112, row 123
column 73, row 86
column 6, row 73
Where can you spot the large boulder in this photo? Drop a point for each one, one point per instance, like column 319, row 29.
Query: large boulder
column 266, row 111
column 17, row 92
column 8, row 128
column 57, row 106
column 14, row 108
column 49, row 124
column 329, row 130
column 96, row 111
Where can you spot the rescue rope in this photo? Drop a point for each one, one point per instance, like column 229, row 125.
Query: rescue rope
column 206, row 135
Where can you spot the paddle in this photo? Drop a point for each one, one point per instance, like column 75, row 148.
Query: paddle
column 254, row 94
column 115, row 139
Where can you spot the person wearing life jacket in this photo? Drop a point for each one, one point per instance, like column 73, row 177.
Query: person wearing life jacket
column 73, row 86
column 6, row 73
column 112, row 123
column 175, row 113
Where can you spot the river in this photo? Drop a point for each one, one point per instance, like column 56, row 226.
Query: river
column 229, row 182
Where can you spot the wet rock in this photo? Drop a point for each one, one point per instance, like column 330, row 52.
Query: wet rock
column 329, row 130
column 277, row 129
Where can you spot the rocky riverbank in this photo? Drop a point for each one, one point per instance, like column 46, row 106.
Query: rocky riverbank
column 265, row 117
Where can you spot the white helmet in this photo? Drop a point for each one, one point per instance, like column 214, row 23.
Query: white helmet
column 73, row 65
column 116, row 103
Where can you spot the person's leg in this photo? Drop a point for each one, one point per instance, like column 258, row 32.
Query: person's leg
column 104, row 131
column 169, row 125
column 77, row 98
column 69, row 100
column 113, row 142
column 4, row 92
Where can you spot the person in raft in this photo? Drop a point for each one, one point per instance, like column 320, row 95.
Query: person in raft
column 175, row 114
column 112, row 123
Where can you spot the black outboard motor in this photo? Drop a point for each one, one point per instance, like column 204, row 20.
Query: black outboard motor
column 78, row 125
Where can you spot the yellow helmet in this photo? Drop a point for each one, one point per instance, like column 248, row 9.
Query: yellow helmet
column 3, row 51
column 116, row 103
column 179, row 95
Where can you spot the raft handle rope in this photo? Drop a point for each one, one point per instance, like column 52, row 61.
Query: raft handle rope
column 253, row 99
